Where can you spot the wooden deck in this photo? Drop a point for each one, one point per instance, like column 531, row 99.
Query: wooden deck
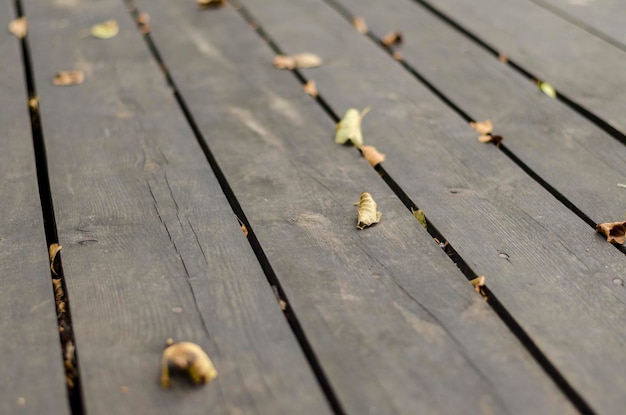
column 184, row 131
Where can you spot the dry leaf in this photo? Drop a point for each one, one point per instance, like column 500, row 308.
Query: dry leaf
column 421, row 218
column 67, row 78
column 143, row 20
column 300, row 60
column 483, row 127
column 105, row 30
column 244, row 230
column 188, row 357
column 547, row 89
column 372, row 155
column 33, row 103
column 281, row 303
column 615, row 232
column 310, row 88
column 57, row 284
column 397, row 56
column 622, row 185
column 359, row 24
column 391, row 39
column 349, row 128
column 284, row 62
column 488, row 138
column 368, row 213
column 19, row 27
column 502, row 58
column 479, row 284
column 205, row 4
column 53, row 250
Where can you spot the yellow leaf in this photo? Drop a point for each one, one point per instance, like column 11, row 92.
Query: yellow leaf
column 483, row 127
column 547, row 89
column 349, row 128
column 615, row 232
column 188, row 357
column 66, row 78
column 360, row 25
column 368, row 213
column 19, row 27
column 105, row 30
column 421, row 218
column 372, row 155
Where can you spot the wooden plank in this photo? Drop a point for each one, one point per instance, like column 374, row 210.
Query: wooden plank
column 152, row 249
column 548, row 137
column 602, row 18
column 572, row 60
column 558, row 279
column 30, row 352
column 395, row 326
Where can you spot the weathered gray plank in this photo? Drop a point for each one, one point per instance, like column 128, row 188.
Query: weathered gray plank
column 30, row 354
column 146, row 229
column 546, row 266
column 603, row 18
column 582, row 66
column 395, row 326
column 547, row 136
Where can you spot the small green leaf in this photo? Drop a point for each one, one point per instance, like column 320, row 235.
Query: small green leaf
column 547, row 89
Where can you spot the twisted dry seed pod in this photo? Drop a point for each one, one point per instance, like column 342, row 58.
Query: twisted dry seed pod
column 368, row 213
column 189, row 357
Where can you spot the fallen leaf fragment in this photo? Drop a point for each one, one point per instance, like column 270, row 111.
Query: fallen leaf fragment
column 205, row 4
column 397, row 56
column 281, row 303
column 143, row 20
column 190, row 358
column 622, row 185
column 373, row 156
column 310, row 88
column 33, row 103
column 368, row 213
column 479, row 284
column 19, row 27
column 57, row 284
column 488, row 138
column 483, row 127
column 300, row 60
column 615, row 232
column 53, row 251
column 349, row 128
column 502, row 58
column 392, row 38
column 547, row 89
column 359, row 24
column 105, row 30
column 67, row 78
column 419, row 215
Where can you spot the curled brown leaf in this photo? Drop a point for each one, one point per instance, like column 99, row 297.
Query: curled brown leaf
column 479, row 286
column 143, row 20
column 392, row 39
column 372, row 155
column 190, row 358
column 19, row 27
column 483, row 127
column 615, row 232
column 359, row 24
column 310, row 88
column 502, row 58
column 53, row 251
column 488, row 138
column 368, row 213
column 67, row 78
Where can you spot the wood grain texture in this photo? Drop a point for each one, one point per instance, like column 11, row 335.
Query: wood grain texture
column 30, row 352
column 548, row 137
column 395, row 326
column 152, row 249
column 572, row 60
column 602, row 18
column 548, row 268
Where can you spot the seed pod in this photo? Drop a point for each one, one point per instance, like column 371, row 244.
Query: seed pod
column 349, row 128
column 368, row 211
column 188, row 357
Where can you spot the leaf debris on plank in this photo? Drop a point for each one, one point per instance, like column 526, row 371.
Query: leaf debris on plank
column 488, row 138
column 349, row 128
column 105, row 30
column 483, row 127
column 360, row 25
column 53, row 251
column 207, row 4
column 421, row 218
column 299, row 60
column 392, row 39
column 68, row 78
column 479, row 286
column 189, row 358
column 547, row 89
column 372, row 155
column 615, row 232
column 143, row 20
column 310, row 88
column 368, row 213
column 19, row 27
